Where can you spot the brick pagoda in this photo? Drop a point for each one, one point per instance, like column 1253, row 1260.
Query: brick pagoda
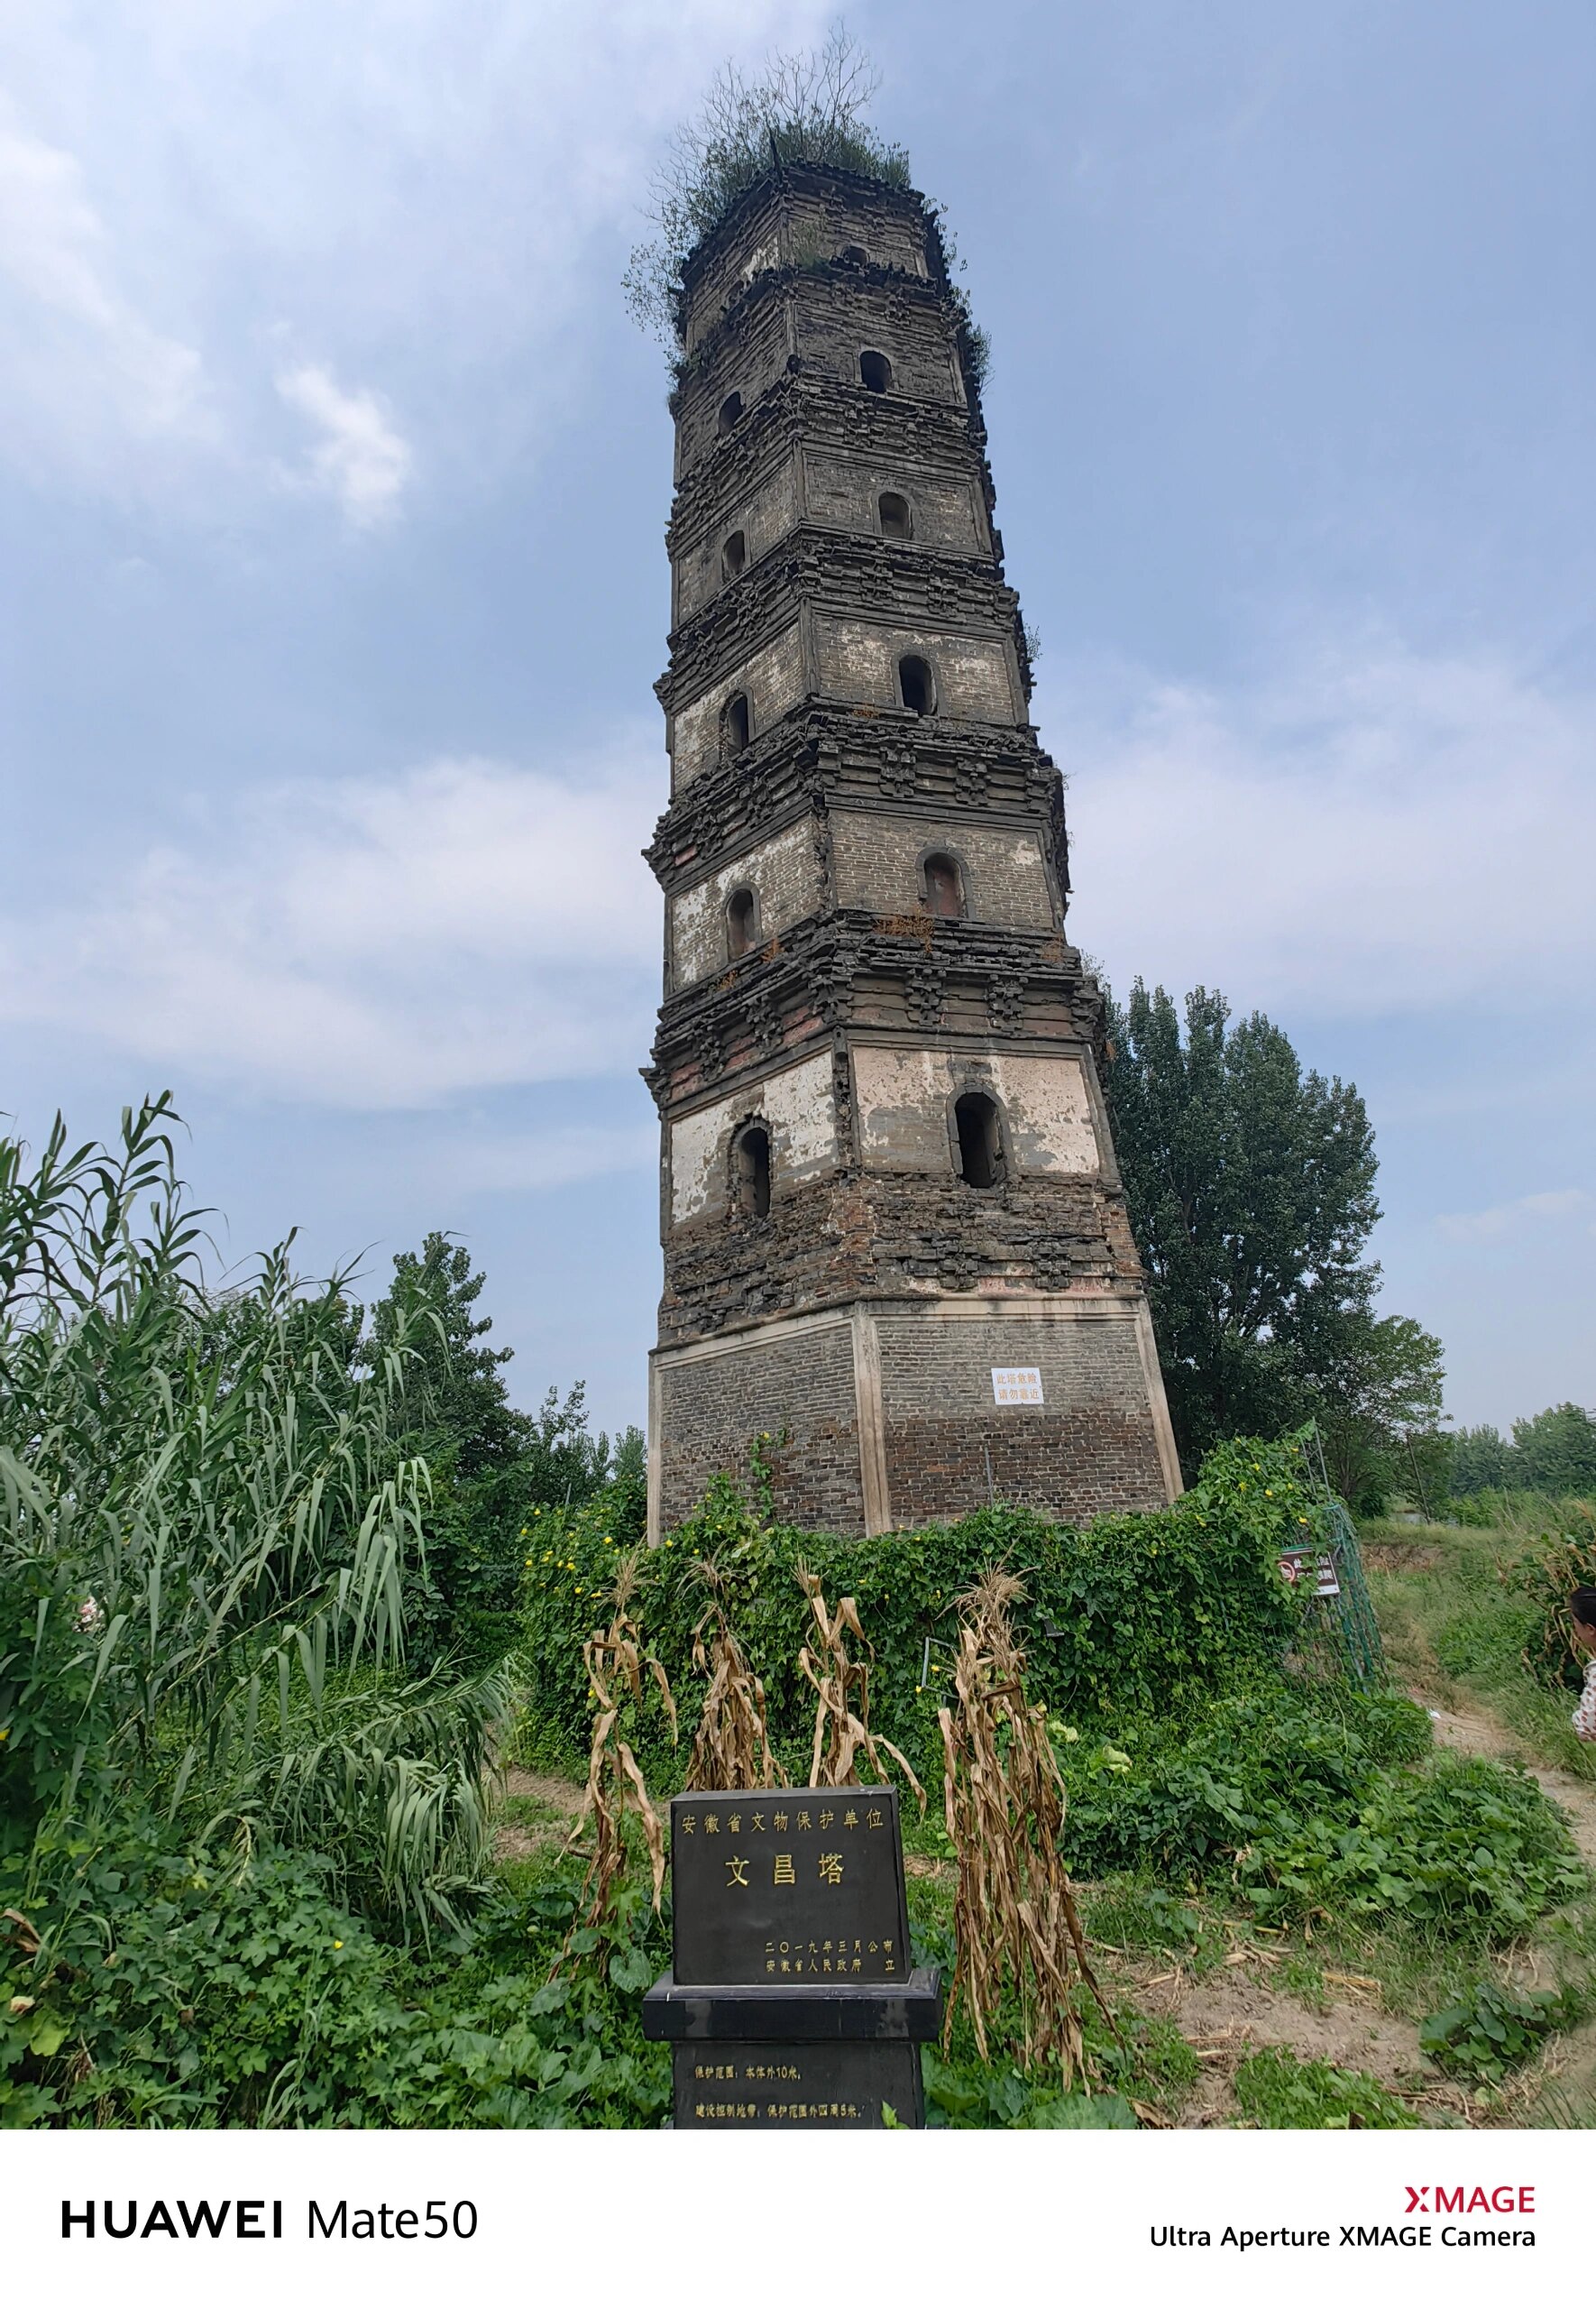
column 895, row 1240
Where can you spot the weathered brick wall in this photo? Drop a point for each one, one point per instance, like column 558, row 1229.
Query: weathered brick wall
column 878, row 859
column 799, row 224
column 904, row 1101
column 710, row 1410
column 747, row 360
column 975, row 680
column 830, row 1239
column 836, row 319
column 1089, row 1448
column 773, row 678
column 891, row 233
column 945, row 513
column 784, row 876
column 834, row 757
column 765, row 513
column 881, row 581
column 798, row 1106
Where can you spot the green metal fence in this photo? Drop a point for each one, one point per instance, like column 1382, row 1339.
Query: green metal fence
column 1340, row 1631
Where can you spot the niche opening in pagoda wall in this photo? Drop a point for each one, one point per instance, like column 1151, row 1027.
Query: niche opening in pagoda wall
column 916, row 687
column 751, row 1171
column 980, row 1140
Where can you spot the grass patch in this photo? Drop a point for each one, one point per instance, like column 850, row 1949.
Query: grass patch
column 1277, row 2093
column 1455, row 1624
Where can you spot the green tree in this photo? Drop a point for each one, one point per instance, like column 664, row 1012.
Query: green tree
column 453, row 1390
column 491, row 1464
column 1251, row 1186
column 1481, row 1460
column 1378, row 1411
column 1555, row 1451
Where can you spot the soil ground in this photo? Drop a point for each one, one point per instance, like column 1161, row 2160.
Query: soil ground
column 537, row 1809
column 1236, row 2010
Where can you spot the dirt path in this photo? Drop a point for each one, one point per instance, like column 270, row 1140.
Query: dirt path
column 1237, row 2010
column 1232, row 2011
column 536, row 1809
column 1566, row 2071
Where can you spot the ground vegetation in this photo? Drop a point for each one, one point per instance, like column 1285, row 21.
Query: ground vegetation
column 284, row 1841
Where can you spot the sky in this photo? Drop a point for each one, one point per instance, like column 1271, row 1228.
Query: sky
column 333, row 477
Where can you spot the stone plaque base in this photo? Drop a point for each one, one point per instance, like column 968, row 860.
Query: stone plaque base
column 810, row 2087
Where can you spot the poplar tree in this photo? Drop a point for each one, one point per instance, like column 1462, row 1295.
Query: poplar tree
column 1251, row 1186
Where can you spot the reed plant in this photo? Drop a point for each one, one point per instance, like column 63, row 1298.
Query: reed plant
column 207, row 1527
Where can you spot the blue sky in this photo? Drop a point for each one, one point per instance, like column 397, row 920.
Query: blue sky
column 332, row 484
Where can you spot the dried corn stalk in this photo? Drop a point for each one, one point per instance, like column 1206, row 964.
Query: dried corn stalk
column 731, row 1747
column 619, row 1670
column 1014, row 1917
column 842, row 1699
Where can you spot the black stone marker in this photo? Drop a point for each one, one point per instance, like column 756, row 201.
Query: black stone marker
column 791, row 2001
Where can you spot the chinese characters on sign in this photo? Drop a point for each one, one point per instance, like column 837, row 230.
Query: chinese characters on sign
column 1016, row 1384
column 793, row 1999
column 1298, row 1565
column 838, row 2085
column 846, row 1957
column 807, row 1883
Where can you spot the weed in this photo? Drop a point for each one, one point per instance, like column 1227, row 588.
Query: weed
column 841, row 1688
column 731, row 1747
column 1277, row 2093
column 616, row 1664
column 1492, row 2027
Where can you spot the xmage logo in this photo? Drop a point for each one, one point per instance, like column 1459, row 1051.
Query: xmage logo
column 1506, row 2197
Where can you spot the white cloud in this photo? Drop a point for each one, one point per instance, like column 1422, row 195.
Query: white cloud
column 82, row 370
column 372, row 944
column 1514, row 1217
column 362, row 461
column 1368, row 832
column 430, row 193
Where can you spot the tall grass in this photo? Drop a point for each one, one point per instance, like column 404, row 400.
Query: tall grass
column 206, row 1528
column 1460, row 1623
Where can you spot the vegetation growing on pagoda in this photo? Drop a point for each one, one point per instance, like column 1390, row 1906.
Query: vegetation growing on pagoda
column 806, row 106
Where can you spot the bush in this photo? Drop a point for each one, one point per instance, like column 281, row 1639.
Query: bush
column 1469, row 1845
column 1546, row 1576
column 1299, row 1797
column 1145, row 1615
column 804, row 108
column 174, row 1987
column 1185, row 1797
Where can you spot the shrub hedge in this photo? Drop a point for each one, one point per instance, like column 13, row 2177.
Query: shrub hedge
column 1136, row 1616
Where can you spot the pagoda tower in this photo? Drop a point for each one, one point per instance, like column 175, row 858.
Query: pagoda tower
column 895, row 1240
